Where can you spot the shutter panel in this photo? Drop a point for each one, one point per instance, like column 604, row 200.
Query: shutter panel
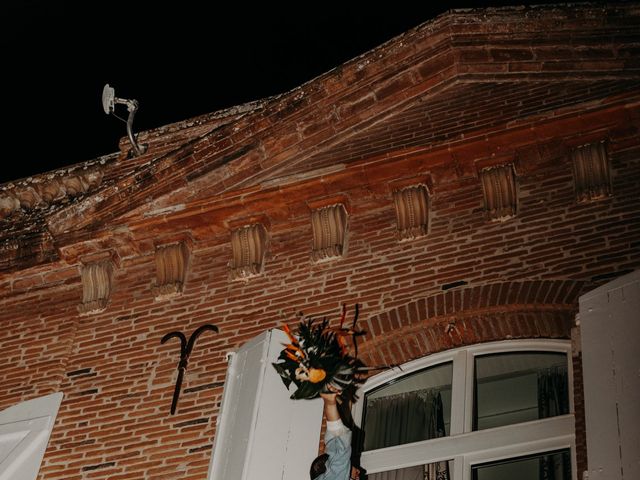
column 24, row 433
column 261, row 433
column 610, row 329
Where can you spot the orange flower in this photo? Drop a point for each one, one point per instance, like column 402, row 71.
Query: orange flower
column 316, row 375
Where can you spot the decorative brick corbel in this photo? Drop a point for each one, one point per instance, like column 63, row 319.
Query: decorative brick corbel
column 329, row 226
column 248, row 246
column 591, row 171
column 500, row 194
column 412, row 211
column 172, row 261
column 97, row 284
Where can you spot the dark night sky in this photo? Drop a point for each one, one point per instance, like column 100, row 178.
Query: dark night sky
column 177, row 59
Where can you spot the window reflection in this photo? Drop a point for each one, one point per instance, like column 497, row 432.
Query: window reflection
column 413, row 408
column 433, row 471
column 548, row 466
column 519, row 387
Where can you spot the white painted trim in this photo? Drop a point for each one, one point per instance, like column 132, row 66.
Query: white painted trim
column 458, row 394
column 261, row 432
column 410, row 367
column 503, row 346
column 458, row 467
column 480, row 447
column 25, row 429
column 222, row 427
column 539, row 446
column 464, row 446
column 603, row 290
column 468, row 392
column 609, row 339
column 397, row 373
column 257, row 405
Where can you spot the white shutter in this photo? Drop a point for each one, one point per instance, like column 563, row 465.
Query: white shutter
column 610, row 331
column 24, row 433
column 261, row 433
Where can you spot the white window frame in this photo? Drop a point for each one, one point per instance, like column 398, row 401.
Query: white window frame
column 463, row 446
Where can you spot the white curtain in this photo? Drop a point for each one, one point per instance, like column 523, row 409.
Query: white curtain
column 406, row 418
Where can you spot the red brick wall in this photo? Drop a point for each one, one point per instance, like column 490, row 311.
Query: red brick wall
column 470, row 110
column 523, row 277
column 493, row 95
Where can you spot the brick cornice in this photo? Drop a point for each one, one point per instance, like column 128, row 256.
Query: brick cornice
column 326, row 109
column 255, row 144
column 40, row 193
column 376, row 172
column 448, row 165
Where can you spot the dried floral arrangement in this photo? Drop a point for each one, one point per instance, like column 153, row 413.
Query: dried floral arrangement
column 317, row 359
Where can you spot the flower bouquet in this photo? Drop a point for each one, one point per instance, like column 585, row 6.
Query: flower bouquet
column 317, row 359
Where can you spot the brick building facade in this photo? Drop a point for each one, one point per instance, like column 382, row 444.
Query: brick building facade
column 464, row 183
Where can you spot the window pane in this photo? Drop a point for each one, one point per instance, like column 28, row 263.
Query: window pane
column 432, row 471
column 409, row 409
column 519, row 387
column 548, row 466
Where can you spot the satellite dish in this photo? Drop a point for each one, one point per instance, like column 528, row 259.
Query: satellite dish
column 109, row 101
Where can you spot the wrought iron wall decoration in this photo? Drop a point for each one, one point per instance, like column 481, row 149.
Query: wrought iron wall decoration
column 186, row 346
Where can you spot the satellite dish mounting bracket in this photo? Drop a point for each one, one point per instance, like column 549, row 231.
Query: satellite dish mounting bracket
column 109, row 102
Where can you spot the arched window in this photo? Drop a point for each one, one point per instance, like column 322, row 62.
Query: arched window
column 496, row 411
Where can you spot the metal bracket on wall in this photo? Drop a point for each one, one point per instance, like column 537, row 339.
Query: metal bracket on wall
column 185, row 350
